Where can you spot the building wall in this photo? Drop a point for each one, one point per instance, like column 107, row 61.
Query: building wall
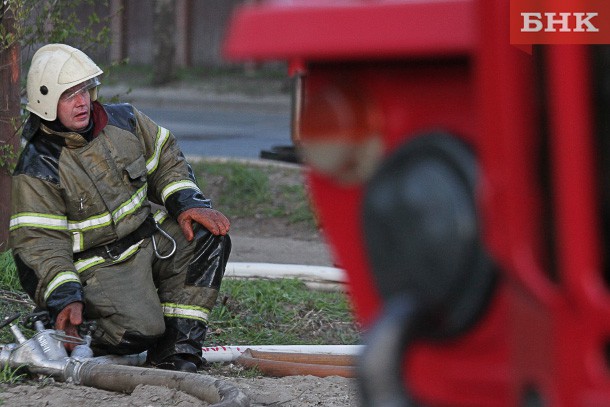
column 200, row 28
column 139, row 26
column 208, row 29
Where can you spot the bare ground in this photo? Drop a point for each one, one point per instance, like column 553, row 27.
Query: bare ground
column 291, row 391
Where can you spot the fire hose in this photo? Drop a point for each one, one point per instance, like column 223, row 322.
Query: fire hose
column 45, row 354
column 280, row 364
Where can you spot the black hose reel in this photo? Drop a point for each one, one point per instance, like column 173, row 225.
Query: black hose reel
column 422, row 234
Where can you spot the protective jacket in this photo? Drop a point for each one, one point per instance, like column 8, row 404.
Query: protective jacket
column 70, row 194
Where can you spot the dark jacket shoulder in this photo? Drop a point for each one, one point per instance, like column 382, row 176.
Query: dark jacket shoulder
column 121, row 115
column 40, row 159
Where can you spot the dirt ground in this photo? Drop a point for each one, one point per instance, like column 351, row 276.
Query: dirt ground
column 253, row 241
column 292, row 391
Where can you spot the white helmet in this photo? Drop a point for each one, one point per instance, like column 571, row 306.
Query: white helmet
column 56, row 68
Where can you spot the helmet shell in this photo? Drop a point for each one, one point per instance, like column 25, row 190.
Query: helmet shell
column 56, row 68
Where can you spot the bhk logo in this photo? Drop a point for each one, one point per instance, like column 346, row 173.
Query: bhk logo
column 563, row 22
column 560, row 22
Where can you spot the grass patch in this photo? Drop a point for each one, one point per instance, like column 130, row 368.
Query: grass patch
column 247, row 190
column 297, row 205
column 12, row 299
column 9, row 375
column 276, row 312
column 8, row 272
column 241, row 191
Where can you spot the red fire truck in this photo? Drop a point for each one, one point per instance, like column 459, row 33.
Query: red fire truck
column 464, row 186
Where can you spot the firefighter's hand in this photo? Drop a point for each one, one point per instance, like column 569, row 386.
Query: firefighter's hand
column 211, row 219
column 68, row 321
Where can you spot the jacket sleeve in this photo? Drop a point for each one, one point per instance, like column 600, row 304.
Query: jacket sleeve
column 41, row 243
column 171, row 179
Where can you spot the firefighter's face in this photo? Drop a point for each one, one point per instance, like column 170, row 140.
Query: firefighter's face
column 74, row 109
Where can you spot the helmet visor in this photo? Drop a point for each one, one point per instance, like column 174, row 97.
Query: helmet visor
column 79, row 89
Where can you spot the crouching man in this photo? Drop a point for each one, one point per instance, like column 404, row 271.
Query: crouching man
column 108, row 223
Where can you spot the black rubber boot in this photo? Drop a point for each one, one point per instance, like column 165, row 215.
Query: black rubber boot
column 180, row 345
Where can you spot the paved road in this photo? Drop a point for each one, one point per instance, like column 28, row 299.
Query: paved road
column 211, row 131
column 233, row 126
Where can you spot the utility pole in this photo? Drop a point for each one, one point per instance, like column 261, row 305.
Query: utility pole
column 10, row 58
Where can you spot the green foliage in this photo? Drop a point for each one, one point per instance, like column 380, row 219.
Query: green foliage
column 271, row 312
column 8, row 157
column 38, row 22
column 35, row 22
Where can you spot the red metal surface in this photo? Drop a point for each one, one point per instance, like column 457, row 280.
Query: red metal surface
column 411, row 99
column 511, row 201
column 473, row 370
column 576, row 371
column 547, row 328
column 558, row 330
column 342, row 30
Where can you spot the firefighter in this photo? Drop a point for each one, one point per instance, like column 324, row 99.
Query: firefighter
column 108, row 223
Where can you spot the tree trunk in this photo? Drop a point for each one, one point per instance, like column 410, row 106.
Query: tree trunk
column 164, row 49
column 9, row 118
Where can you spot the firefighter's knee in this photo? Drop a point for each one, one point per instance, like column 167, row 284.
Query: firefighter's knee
column 120, row 336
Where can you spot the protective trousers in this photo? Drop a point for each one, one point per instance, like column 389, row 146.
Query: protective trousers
column 160, row 305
